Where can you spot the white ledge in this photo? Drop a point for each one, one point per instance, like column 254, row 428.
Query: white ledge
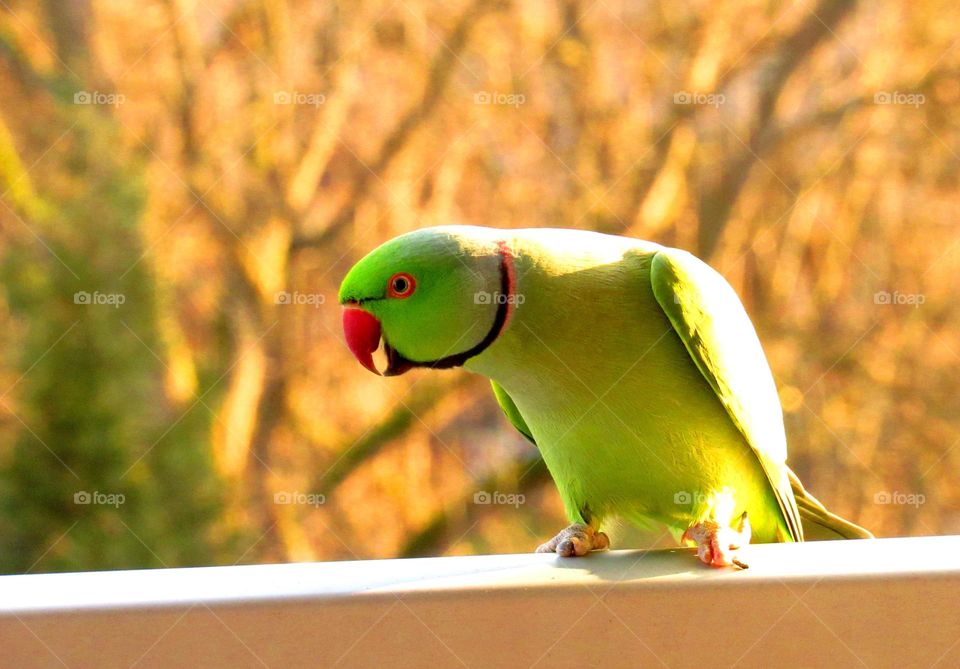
column 887, row 602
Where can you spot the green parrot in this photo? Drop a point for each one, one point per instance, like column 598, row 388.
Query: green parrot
column 631, row 366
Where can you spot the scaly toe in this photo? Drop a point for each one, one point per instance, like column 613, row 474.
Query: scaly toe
column 566, row 548
column 576, row 541
column 549, row 546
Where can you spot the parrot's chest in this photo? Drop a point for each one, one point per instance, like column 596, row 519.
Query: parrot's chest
column 622, row 415
column 624, row 431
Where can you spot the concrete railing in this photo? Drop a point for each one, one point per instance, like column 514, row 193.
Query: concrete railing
column 882, row 603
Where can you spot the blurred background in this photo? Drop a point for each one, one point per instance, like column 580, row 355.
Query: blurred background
column 184, row 184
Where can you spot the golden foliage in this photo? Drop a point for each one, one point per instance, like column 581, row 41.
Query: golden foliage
column 809, row 152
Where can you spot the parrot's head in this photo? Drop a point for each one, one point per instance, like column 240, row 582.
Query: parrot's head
column 435, row 298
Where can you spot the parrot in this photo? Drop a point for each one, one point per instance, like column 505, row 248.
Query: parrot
column 632, row 367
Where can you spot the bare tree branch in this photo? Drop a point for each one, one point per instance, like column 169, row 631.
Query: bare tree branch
column 357, row 451
column 441, row 70
column 718, row 201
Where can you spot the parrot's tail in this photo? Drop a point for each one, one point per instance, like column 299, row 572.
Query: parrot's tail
column 818, row 523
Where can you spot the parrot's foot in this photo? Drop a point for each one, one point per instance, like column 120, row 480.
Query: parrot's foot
column 717, row 544
column 575, row 541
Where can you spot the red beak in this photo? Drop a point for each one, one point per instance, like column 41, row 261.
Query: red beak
column 362, row 331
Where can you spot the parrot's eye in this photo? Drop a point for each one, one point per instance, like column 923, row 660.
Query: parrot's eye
column 401, row 285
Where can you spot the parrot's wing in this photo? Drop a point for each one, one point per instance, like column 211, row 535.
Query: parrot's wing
column 710, row 319
column 511, row 411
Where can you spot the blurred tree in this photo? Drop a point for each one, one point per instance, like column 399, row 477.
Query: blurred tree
column 92, row 417
column 230, row 161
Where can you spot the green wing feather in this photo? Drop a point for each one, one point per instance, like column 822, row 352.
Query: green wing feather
column 710, row 319
column 512, row 412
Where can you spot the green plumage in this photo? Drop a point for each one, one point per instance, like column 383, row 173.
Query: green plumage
column 632, row 366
